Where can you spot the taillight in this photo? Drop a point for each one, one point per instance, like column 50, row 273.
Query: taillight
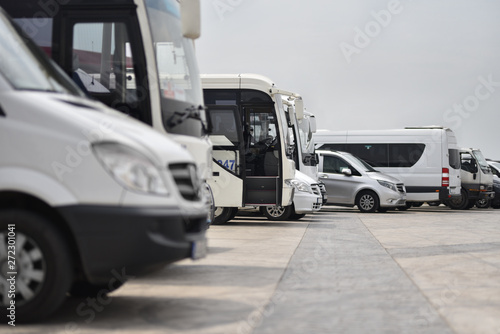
column 445, row 178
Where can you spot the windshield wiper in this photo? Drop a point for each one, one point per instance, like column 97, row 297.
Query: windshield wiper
column 191, row 112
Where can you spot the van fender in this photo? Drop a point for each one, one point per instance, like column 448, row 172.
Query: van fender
column 37, row 184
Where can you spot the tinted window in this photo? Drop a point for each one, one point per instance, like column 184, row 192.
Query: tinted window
column 382, row 155
column 374, row 154
column 224, row 124
column 335, row 165
column 454, row 158
column 405, row 155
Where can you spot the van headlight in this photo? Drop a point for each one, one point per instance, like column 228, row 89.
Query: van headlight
column 130, row 168
column 389, row 185
column 299, row 185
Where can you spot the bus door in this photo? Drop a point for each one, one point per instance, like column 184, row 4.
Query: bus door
column 228, row 154
column 262, row 145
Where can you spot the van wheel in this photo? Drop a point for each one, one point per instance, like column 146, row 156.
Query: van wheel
column 483, row 203
column 42, row 262
column 367, row 201
column 224, row 214
column 459, row 203
column 278, row 212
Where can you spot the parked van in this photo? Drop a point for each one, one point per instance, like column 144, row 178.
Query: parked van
column 426, row 159
column 88, row 196
column 477, row 180
column 350, row 181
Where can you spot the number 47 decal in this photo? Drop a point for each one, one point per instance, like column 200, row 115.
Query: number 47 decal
column 229, row 164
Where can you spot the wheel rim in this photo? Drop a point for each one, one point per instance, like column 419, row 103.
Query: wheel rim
column 30, row 268
column 218, row 211
column 275, row 211
column 367, row 202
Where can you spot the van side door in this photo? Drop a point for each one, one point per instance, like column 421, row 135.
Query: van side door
column 341, row 188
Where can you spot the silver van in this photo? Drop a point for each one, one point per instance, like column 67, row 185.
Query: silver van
column 351, row 181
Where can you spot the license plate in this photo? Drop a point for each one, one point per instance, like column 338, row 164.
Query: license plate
column 199, row 249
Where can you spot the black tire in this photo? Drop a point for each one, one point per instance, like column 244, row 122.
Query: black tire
column 405, row 207
column 417, row 204
column 367, row 201
column 483, row 203
column 223, row 215
column 86, row 289
column 278, row 213
column 297, row 216
column 45, row 270
column 460, row 203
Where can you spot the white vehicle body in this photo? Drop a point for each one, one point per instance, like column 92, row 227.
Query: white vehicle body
column 135, row 56
column 350, row 181
column 477, row 180
column 426, row 159
column 306, row 199
column 84, row 190
column 250, row 142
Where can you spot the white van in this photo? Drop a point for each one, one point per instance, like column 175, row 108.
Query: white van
column 88, row 196
column 426, row 159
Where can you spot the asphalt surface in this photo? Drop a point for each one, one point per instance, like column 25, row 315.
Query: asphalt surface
column 426, row 270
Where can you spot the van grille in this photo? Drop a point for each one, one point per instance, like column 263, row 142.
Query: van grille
column 316, row 189
column 186, row 178
column 401, row 187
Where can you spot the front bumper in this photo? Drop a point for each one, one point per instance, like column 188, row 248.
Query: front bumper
column 392, row 199
column 139, row 239
column 305, row 202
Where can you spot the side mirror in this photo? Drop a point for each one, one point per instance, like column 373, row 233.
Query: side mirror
column 312, row 122
column 191, row 18
column 346, row 171
column 299, row 108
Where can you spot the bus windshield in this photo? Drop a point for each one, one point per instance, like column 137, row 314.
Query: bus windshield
column 175, row 59
column 26, row 68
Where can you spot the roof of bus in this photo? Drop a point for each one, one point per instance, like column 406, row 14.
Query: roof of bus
column 44, row 9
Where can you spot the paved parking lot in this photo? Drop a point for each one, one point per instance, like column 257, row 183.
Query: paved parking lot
column 427, row 270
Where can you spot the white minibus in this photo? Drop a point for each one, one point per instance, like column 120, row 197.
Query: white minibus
column 426, row 159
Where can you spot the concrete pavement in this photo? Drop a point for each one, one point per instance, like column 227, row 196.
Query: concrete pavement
column 427, row 270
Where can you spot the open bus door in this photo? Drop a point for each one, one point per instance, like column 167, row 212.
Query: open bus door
column 228, row 156
column 262, row 155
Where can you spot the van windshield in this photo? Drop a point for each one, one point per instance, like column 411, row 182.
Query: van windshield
column 25, row 67
column 483, row 164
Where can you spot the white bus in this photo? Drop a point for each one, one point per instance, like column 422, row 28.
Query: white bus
column 250, row 143
column 426, row 159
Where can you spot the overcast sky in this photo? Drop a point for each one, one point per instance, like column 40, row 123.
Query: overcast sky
column 376, row 64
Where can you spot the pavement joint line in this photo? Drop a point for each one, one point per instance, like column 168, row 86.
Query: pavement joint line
column 429, row 303
column 278, row 282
